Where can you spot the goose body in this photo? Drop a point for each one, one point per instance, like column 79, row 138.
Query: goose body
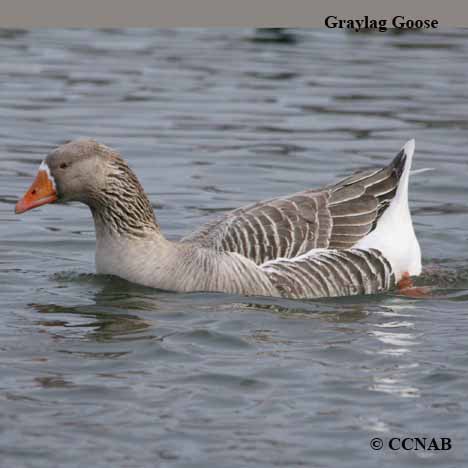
column 352, row 237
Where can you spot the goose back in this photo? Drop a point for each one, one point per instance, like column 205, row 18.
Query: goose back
column 335, row 217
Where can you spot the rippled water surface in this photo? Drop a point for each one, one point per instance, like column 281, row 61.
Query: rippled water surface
column 98, row 372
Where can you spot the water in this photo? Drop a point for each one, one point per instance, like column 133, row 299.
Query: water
column 95, row 371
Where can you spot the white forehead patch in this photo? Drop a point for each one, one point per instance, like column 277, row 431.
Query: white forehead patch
column 44, row 167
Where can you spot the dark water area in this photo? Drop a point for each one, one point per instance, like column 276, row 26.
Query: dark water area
column 98, row 372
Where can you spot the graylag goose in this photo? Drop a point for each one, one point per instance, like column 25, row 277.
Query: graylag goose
column 352, row 237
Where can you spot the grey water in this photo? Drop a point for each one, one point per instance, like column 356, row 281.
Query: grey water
column 98, row 372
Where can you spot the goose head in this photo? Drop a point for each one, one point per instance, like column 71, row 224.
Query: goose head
column 96, row 175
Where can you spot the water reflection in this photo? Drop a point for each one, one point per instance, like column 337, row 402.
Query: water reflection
column 396, row 384
column 119, row 311
column 102, row 321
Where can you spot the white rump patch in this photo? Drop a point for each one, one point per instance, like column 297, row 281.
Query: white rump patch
column 394, row 235
column 44, row 167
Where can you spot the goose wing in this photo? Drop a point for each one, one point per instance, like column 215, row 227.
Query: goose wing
column 334, row 217
column 331, row 273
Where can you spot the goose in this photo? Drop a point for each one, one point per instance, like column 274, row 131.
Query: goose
column 352, row 237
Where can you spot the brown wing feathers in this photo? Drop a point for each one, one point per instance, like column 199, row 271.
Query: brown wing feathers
column 278, row 228
column 336, row 217
column 357, row 202
column 328, row 273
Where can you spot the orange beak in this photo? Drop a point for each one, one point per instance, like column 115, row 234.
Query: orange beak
column 41, row 192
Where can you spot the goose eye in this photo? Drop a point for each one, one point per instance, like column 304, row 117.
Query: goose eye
column 63, row 166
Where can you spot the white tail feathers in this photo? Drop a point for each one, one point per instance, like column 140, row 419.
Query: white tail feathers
column 394, row 234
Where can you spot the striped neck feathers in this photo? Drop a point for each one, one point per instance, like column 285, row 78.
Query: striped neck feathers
column 122, row 207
